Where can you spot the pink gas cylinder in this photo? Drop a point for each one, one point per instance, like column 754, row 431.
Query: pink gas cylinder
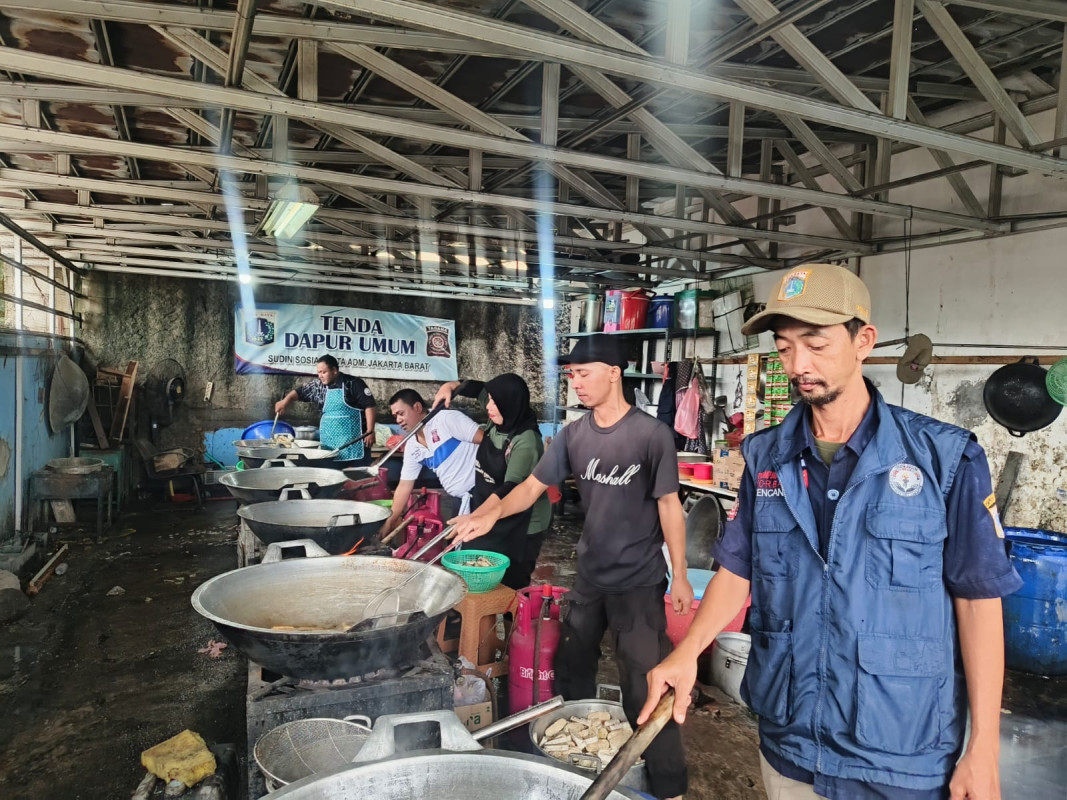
column 424, row 522
column 532, row 651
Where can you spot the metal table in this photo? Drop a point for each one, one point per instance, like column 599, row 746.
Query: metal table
column 46, row 485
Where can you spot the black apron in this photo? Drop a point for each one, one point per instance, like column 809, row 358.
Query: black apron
column 508, row 536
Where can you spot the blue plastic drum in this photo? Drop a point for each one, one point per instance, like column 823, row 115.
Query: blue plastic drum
column 1035, row 617
column 261, row 430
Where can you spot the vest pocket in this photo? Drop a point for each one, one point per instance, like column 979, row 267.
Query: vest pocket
column 775, row 544
column 897, row 693
column 904, row 548
column 768, row 679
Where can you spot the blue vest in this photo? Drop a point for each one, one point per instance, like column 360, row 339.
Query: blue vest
column 855, row 669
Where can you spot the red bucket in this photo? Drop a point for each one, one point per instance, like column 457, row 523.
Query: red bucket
column 625, row 311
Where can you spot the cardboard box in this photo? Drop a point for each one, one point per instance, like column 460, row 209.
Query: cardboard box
column 476, row 716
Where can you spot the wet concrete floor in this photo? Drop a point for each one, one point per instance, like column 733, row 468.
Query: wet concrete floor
column 88, row 681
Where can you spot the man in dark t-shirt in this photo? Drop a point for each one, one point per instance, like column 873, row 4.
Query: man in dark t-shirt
column 626, row 470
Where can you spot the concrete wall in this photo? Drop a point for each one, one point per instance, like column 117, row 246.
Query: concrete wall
column 148, row 319
column 26, row 442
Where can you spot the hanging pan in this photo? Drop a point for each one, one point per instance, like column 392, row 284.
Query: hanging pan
column 1016, row 397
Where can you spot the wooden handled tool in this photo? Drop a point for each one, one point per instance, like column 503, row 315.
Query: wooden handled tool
column 631, row 751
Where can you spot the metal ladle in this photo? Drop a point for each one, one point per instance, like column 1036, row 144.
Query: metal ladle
column 374, row 611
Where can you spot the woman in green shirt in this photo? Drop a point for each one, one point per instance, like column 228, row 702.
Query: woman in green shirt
column 507, row 455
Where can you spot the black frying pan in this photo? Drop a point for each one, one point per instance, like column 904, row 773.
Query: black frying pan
column 1016, row 397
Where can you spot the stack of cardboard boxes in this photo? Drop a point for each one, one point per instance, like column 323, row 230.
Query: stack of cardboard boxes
column 729, row 464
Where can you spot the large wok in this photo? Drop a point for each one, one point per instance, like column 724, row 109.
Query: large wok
column 322, row 598
column 299, row 456
column 271, row 443
column 460, row 771
column 334, row 525
column 273, row 483
column 1017, row 397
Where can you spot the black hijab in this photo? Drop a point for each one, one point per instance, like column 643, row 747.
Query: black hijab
column 512, row 398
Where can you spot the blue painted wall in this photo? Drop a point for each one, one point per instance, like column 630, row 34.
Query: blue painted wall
column 39, row 444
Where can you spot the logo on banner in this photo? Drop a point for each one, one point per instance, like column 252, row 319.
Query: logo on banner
column 437, row 342
column 259, row 330
column 768, row 485
column 906, row 480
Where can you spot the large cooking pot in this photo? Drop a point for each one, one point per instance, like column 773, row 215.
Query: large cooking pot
column 272, row 443
column 273, row 483
column 1017, row 397
column 334, row 525
column 291, row 616
column 461, row 770
column 636, row 778
column 299, row 456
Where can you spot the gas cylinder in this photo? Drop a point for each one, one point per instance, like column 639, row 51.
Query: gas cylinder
column 534, row 640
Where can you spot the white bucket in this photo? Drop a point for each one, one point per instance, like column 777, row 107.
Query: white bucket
column 729, row 658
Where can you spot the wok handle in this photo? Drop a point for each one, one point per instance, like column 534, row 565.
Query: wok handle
column 382, row 742
column 1017, row 434
column 521, row 718
column 362, row 719
column 338, row 519
column 274, row 551
column 301, row 488
column 277, row 462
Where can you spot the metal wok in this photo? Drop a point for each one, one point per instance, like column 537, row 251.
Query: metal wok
column 300, row 456
column 461, row 771
column 271, row 443
column 1017, row 397
column 272, row 483
column 292, row 616
column 334, row 525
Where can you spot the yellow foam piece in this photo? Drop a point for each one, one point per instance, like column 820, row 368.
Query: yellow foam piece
column 184, row 757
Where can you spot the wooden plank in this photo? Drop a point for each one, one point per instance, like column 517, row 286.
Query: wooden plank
column 1006, row 481
column 63, row 511
column 98, row 426
column 35, row 584
column 118, row 424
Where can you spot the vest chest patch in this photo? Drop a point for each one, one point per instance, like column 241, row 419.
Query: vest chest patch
column 768, row 485
column 906, row 480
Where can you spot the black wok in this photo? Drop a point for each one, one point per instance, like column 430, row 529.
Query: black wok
column 335, row 525
column 256, row 610
column 1016, row 397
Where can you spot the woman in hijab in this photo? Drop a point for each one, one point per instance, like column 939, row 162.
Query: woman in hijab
column 507, row 455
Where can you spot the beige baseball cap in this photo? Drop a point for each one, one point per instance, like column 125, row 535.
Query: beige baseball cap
column 819, row 294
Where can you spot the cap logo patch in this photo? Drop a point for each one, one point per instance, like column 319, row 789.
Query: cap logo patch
column 906, row 480
column 794, row 284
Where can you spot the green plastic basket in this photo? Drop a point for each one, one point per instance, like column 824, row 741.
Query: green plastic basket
column 382, row 503
column 479, row 579
column 1056, row 381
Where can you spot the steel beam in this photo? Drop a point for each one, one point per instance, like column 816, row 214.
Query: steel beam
column 809, row 56
column 735, row 146
column 945, row 162
column 240, row 36
column 1061, row 98
column 1055, row 10
column 821, row 152
column 978, row 71
column 473, row 26
column 836, row 218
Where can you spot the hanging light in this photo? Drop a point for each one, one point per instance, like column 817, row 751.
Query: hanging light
column 291, row 208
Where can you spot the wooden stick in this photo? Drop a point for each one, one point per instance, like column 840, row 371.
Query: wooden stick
column 35, row 584
column 389, row 536
column 633, row 748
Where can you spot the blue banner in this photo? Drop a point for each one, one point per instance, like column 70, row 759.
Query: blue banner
column 282, row 338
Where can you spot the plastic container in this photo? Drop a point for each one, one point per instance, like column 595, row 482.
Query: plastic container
column 695, row 309
column 661, row 312
column 262, row 430
column 523, row 646
column 479, row 579
column 685, row 470
column 678, row 626
column 729, row 657
column 702, row 472
column 1056, row 381
column 625, row 311
column 1035, row 630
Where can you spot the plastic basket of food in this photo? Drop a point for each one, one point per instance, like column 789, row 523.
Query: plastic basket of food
column 481, row 569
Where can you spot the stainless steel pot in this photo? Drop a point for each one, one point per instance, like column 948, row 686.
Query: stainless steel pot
column 334, row 525
column 461, row 770
column 292, row 616
column 75, row 466
column 306, row 432
column 636, row 778
column 272, row 483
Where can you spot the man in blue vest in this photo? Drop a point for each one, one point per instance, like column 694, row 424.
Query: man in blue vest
column 868, row 536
